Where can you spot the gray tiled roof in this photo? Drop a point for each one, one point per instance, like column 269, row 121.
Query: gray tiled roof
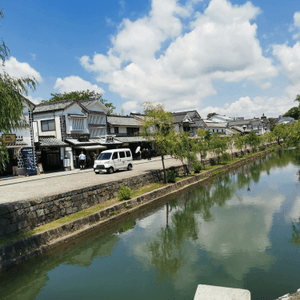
column 51, row 142
column 123, row 121
column 198, row 123
column 239, row 122
column 241, row 129
column 181, row 115
column 53, row 106
column 87, row 101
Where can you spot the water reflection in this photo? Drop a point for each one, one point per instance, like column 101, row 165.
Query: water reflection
column 215, row 234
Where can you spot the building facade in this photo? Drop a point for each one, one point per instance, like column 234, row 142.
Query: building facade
column 19, row 140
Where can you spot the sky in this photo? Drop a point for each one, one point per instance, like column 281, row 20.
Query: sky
column 236, row 58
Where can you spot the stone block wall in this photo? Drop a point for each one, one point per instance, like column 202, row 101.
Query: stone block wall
column 22, row 216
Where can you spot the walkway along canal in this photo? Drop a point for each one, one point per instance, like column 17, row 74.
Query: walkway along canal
column 241, row 231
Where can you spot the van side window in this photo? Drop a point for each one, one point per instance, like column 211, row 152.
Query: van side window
column 128, row 153
column 115, row 155
column 122, row 154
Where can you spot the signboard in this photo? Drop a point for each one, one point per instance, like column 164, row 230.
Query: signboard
column 40, row 169
column 84, row 137
column 28, row 158
column 9, row 138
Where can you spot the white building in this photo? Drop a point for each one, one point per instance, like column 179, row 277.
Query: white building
column 20, row 139
column 66, row 128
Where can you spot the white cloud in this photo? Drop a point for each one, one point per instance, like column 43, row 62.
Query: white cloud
column 245, row 107
column 290, row 60
column 20, row 69
column 75, row 83
column 36, row 100
column 296, row 25
column 131, row 106
column 152, row 60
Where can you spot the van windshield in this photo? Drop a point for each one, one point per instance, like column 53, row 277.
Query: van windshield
column 104, row 156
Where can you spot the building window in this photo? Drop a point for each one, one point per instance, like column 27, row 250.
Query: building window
column 77, row 124
column 116, row 129
column 48, row 125
column 132, row 131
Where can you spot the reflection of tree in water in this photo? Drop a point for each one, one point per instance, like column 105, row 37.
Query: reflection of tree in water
column 166, row 253
column 28, row 278
column 295, row 240
column 167, row 247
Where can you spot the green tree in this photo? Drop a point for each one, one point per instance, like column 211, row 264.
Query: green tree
column 211, row 115
column 252, row 139
column 202, row 145
column 218, row 144
column 293, row 112
column 282, row 132
column 157, row 129
column 294, row 136
column 80, row 95
column 238, row 141
column 182, row 147
column 11, row 101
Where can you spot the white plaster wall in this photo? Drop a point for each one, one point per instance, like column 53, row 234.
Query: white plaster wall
column 75, row 109
column 48, row 116
column 25, row 132
column 98, row 106
column 122, row 130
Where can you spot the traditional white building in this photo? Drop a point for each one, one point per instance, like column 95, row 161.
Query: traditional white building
column 20, row 139
column 66, row 128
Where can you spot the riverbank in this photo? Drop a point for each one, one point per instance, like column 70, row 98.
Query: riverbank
column 17, row 251
column 295, row 296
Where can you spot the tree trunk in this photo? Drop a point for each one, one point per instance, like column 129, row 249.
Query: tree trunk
column 167, row 217
column 165, row 172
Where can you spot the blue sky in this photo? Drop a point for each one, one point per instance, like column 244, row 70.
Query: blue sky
column 232, row 57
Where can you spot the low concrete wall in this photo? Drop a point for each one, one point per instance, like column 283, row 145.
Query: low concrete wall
column 28, row 247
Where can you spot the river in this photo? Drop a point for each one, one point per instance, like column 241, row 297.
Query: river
column 242, row 230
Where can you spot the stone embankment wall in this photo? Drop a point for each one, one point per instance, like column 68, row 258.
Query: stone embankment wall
column 22, row 216
column 33, row 245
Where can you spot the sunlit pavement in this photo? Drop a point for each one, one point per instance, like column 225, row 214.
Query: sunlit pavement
column 35, row 186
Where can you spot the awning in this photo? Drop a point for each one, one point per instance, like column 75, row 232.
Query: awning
column 91, row 147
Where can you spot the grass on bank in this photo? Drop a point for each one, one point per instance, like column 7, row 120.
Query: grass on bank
column 93, row 209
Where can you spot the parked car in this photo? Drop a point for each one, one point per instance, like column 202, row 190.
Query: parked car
column 112, row 160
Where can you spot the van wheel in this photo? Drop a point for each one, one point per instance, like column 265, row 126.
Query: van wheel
column 129, row 167
column 110, row 170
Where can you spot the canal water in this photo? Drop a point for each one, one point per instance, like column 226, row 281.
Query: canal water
column 242, row 230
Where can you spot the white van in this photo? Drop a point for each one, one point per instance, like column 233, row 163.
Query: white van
column 113, row 160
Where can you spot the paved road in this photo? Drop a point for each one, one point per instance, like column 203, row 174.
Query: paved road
column 25, row 188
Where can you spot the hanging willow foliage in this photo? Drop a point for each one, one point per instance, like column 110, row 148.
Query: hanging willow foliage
column 11, row 101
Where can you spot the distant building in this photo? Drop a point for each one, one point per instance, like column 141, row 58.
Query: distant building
column 285, row 120
column 189, row 121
